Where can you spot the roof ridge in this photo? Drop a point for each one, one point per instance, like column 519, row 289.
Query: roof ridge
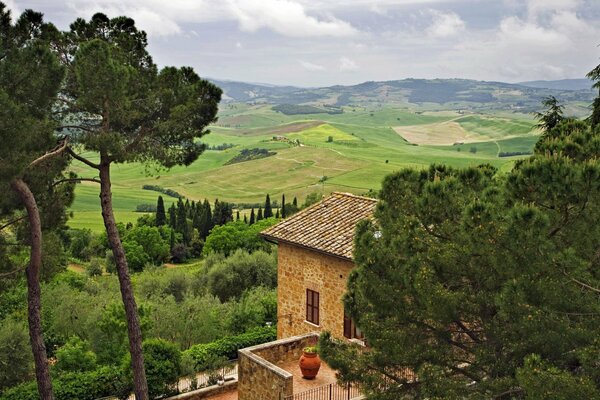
column 356, row 196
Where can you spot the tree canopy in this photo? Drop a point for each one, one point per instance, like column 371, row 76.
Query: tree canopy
column 483, row 285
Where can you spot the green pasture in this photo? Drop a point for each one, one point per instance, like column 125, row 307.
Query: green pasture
column 364, row 150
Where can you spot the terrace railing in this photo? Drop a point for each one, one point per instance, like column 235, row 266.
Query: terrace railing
column 332, row 391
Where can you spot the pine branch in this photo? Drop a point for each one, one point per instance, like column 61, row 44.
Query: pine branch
column 50, row 154
column 76, row 180
column 14, row 221
column 82, row 159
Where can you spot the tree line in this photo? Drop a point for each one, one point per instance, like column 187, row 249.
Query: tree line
column 474, row 284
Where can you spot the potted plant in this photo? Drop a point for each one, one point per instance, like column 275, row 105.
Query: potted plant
column 310, row 362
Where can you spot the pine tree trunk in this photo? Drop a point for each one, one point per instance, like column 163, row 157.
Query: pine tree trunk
column 34, row 292
column 133, row 322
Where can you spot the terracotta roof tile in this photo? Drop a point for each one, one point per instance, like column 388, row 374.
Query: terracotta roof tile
column 327, row 226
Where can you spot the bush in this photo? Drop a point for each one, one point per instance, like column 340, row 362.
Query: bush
column 203, row 354
column 256, row 307
column 80, row 240
column 237, row 235
column 162, row 361
column 95, row 268
column 149, row 237
column 168, row 192
column 75, row 356
column 241, row 271
column 179, row 253
column 16, row 363
column 105, row 381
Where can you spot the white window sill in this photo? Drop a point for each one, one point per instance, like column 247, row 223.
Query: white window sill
column 360, row 342
column 312, row 324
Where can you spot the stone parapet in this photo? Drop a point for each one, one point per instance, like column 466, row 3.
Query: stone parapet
column 258, row 376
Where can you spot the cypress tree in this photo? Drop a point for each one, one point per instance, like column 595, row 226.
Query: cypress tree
column 237, row 215
column 277, row 214
column 181, row 216
column 172, row 239
column 283, row 206
column 252, row 216
column 295, row 202
column 172, row 217
column 245, row 219
column 161, row 217
column 259, row 216
column 205, row 219
column 268, row 210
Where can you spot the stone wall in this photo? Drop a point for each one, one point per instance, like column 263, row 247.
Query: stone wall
column 300, row 269
column 203, row 393
column 258, row 376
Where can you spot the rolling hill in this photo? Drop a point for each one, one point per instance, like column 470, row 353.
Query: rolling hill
column 338, row 138
column 431, row 94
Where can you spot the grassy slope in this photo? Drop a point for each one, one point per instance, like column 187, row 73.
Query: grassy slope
column 364, row 149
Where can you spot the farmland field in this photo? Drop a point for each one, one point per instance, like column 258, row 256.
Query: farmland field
column 350, row 151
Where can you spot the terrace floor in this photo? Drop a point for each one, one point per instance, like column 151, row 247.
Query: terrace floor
column 325, row 376
column 231, row 395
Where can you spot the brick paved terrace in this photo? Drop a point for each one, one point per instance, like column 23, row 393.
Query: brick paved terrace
column 271, row 371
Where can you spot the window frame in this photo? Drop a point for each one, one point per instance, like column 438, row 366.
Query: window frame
column 312, row 306
column 351, row 331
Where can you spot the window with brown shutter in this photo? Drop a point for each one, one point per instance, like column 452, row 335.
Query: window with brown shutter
column 351, row 331
column 312, row 306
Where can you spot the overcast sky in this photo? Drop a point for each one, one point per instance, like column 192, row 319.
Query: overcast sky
column 327, row 42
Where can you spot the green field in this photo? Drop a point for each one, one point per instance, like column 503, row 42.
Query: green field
column 366, row 145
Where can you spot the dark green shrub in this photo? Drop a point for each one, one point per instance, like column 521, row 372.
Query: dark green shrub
column 91, row 385
column 75, row 356
column 203, row 354
column 162, row 360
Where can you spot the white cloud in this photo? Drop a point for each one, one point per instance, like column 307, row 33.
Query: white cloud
column 538, row 7
column 12, row 6
column 311, row 66
column 287, row 18
column 347, row 64
column 238, row 45
column 445, row 24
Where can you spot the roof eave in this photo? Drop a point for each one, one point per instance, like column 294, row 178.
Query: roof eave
column 275, row 240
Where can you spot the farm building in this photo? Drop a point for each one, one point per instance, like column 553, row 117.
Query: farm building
column 315, row 250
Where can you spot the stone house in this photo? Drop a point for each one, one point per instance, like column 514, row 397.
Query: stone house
column 314, row 260
column 315, row 248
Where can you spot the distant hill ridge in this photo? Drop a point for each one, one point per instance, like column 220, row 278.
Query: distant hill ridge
column 451, row 93
column 562, row 84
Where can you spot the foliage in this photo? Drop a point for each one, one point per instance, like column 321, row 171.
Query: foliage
column 179, row 253
column 168, row 192
column 145, row 208
column 16, row 362
column 105, row 381
column 161, row 217
column 75, row 356
column 481, row 284
column 80, row 241
column 239, row 272
column 228, row 346
column 94, row 268
column 153, row 241
column 249, row 155
column 237, row 235
column 256, row 307
column 293, row 109
column 109, row 339
column 552, row 114
column 513, row 153
column 189, row 321
column 312, row 198
column 162, row 360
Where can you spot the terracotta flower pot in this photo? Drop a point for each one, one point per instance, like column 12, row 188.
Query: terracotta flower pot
column 309, row 365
